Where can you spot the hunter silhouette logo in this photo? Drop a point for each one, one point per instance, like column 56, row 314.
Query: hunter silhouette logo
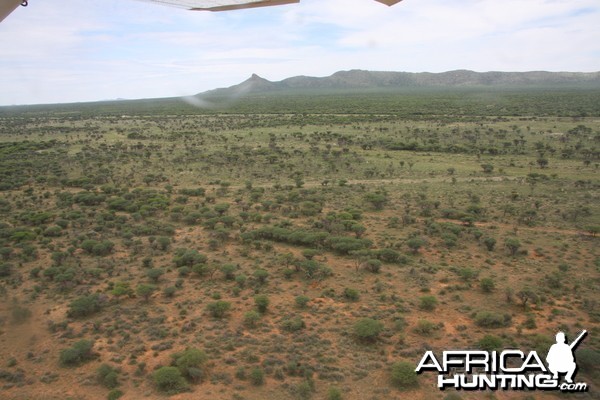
column 560, row 356
column 510, row 369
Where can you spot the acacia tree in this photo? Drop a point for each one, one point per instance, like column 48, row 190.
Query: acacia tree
column 415, row 244
column 512, row 244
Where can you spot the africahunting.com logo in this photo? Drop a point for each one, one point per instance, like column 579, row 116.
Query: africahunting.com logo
column 509, row 369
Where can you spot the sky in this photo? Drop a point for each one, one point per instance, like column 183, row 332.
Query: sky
column 57, row 51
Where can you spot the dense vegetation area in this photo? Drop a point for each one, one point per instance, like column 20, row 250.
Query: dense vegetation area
column 295, row 247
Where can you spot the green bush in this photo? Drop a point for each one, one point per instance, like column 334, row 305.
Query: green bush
column 251, row 319
column 154, row 274
column 425, row 327
column 302, row 301
column 378, row 200
column 262, row 302
column 257, row 376
column 261, row 276
column 191, row 363
column 489, row 243
column 169, row 291
column 334, row 394
column 489, row 319
column 115, row 394
column 487, row 285
column 188, row 258
column 78, row 354
column 428, row 303
column 589, row 360
column 218, row 309
column 145, row 290
column 228, row 271
column 512, row 244
column 367, row 329
column 415, row 244
column 85, row 306
column 170, row 380
column 351, row 294
column 108, row 376
column 404, row 375
column 373, row 265
column 293, row 324
column 490, row 343
column 388, row 255
column 5, row 270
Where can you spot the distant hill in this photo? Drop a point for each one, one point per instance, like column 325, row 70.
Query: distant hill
column 360, row 79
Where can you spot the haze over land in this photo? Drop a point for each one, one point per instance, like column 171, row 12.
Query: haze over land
column 360, row 79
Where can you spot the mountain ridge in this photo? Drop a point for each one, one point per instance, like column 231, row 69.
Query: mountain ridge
column 362, row 79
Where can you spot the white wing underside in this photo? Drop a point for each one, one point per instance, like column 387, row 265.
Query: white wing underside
column 8, row 6
column 225, row 5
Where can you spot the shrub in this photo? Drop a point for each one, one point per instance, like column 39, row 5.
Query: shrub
column 115, row 394
column 487, row 168
column 261, row 276
column 302, row 301
column 218, row 309
column 251, row 319
column 425, row 327
column 415, row 244
column 367, row 329
column 121, row 289
column 228, row 271
column 154, row 274
column 487, row 285
column 588, row 360
column 490, row 343
column 428, row 303
column 513, row 245
column 78, row 354
column 170, row 380
column 373, row 265
column 257, row 376
column 108, row 376
column 404, row 375
column 241, row 280
column 191, row 363
column 388, row 255
column 188, row 258
column 145, row 290
column 377, row 200
column 489, row 243
column 262, row 302
column 5, row 270
column 169, row 291
column 489, row 319
column 293, row 324
column 467, row 274
column 351, row 294
column 304, row 390
column 334, row 394
column 85, row 306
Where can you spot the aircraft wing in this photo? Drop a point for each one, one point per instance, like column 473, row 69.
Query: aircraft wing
column 226, row 5
column 8, row 6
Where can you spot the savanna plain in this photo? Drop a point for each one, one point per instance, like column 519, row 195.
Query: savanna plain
column 306, row 246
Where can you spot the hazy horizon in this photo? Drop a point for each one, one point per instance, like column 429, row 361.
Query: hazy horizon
column 69, row 51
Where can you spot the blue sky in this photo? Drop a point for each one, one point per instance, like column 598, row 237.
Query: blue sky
column 72, row 50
